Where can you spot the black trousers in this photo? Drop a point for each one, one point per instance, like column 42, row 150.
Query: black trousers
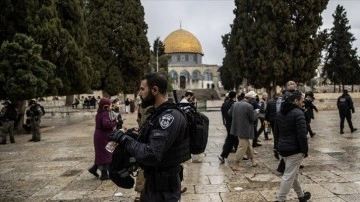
column 276, row 136
column 162, row 190
column 345, row 115
column 230, row 142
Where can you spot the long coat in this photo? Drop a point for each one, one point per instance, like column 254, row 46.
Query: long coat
column 243, row 117
column 103, row 128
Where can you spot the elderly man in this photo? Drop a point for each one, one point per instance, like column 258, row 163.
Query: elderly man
column 242, row 126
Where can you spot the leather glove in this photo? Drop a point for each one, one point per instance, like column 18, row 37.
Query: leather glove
column 353, row 111
column 120, row 137
column 305, row 155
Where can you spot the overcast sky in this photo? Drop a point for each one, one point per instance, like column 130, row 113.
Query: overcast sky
column 208, row 20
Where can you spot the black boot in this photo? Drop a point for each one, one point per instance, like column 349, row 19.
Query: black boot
column 93, row 170
column 306, row 197
column 104, row 175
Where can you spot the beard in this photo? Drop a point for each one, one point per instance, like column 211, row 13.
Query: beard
column 148, row 101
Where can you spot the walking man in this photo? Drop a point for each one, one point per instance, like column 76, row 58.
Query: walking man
column 242, row 126
column 293, row 146
column 345, row 106
column 231, row 140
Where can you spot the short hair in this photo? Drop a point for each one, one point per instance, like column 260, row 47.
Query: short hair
column 295, row 95
column 156, row 79
column 232, row 94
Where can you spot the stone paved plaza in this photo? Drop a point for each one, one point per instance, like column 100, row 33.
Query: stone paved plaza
column 55, row 169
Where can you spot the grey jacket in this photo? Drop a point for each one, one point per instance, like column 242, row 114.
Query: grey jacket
column 243, row 117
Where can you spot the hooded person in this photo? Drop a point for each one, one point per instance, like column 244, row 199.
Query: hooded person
column 103, row 128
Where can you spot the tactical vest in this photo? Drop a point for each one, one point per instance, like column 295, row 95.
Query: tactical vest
column 179, row 151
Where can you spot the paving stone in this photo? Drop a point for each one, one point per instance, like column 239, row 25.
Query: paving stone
column 55, row 169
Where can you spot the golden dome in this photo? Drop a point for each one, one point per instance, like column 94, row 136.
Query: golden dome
column 182, row 41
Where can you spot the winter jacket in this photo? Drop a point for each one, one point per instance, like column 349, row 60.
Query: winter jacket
column 290, row 124
column 270, row 113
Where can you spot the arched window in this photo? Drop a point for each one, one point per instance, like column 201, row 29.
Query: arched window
column 196, row 76
column 208, row 76
column 173, row 74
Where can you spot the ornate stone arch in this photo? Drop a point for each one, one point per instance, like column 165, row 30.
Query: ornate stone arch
column 196, row 76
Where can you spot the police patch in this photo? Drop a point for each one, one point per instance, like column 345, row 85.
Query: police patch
column 166, row 120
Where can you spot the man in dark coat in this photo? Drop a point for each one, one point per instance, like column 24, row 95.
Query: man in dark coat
column 270, row 116
column 293, row 146
column 309, row 110
column 162, row 144
column 231, row 140
column 345, row 106
column 8, row 116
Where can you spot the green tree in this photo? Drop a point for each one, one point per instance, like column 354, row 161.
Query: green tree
column 77, row 68
column 273, row 41
column 159, row 60
column 341, row 62
column 24, row 74
column 59, row 45
column 118, row 44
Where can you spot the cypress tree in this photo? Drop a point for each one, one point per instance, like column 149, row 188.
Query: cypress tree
column 78, row 65
column 273, row 41
column 341, row 62
column 118, row 44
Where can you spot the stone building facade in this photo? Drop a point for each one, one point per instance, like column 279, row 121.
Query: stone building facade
column 185, row 64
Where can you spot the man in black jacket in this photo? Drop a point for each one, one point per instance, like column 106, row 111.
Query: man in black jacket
column 231, row 140
column 162, row 144
column 8, row 116
column 293, row 146
column 270, row 116
column 345, row 106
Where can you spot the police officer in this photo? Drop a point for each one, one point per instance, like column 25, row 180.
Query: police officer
column 8, row 116
column 162, row 144
column 34, row 113
column 345, row 106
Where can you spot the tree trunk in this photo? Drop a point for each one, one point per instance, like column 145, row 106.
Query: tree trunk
column 69, row 100
column 21, row 107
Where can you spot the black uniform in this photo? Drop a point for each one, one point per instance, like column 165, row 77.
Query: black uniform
column 345, row 106
column 309, row 114
column 231, row 141
column 161, row 147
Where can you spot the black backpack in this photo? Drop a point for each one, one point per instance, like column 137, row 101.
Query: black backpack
column 11, row 113
column 198, row 127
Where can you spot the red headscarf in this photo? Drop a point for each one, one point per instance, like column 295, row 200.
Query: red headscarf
column 103, row 103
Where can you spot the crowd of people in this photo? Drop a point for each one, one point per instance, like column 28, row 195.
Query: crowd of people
column 288, row 116
column 161, row 128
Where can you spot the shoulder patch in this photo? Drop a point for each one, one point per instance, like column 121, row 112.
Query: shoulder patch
column 166, row 120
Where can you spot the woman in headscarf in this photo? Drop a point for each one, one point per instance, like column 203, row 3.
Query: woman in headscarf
column 103, row 128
